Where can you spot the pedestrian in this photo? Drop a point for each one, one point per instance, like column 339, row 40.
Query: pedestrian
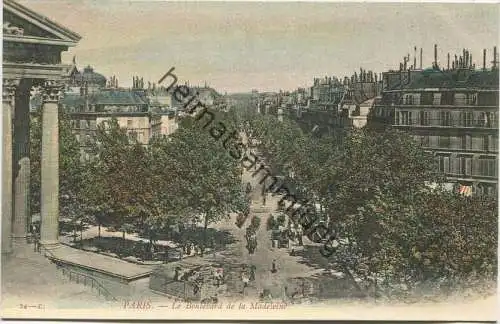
column 245, row 280
column 266, row 295
column 252, row 272
column 248, row 188
column 37, row 241
column 274, row 269
column 33, row 230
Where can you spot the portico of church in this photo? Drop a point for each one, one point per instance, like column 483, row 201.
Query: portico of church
column 32, row 47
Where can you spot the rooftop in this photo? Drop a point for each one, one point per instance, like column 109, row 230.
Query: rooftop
column 459, row 78
column 107, row 97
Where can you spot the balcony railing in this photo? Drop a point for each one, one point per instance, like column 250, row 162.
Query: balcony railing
column 430, row 123
column 438, row 106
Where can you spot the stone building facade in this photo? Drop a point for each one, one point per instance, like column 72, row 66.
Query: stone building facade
column 452, row 112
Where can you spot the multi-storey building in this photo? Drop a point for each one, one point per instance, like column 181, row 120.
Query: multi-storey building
column 331, row 106
column 452, row 112
column 91, row 99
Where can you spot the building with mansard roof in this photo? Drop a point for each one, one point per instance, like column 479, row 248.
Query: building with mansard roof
column 452, row 112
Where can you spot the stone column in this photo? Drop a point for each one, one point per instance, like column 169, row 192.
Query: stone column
column 9, row 88
column 21, row 162
column 49, row 229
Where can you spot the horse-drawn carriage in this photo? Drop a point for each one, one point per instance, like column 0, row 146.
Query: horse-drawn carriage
column 189, row 281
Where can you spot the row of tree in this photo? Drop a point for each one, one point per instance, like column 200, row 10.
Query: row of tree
column 185, row 178
column 398, row 228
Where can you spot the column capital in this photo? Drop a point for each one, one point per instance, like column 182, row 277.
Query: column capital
column 9, row 87
column 52, row 90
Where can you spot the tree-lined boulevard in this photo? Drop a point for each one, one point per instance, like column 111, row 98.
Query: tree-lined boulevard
column 399, row 233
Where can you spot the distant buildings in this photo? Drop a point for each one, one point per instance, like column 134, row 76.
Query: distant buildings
column 91, row 99
column 144, row 110
column 329, row 106
column 452, row 112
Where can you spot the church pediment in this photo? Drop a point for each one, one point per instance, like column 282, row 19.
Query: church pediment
column 21, row 24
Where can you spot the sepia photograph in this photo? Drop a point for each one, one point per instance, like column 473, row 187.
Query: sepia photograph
column 182, row 160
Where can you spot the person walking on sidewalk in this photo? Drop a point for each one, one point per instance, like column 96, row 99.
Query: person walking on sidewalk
column 245, row 280
column 274, row 269
column 252, row 272
column 37, row 241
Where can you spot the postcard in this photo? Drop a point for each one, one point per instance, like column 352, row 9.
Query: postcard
column 249, row 160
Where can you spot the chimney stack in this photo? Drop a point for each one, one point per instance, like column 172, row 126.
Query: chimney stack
column 484, row 59
column 435, row 56
column 470, row 61
column 448, row 61
column 420, row 58
column 495, row 57
column 415, row 58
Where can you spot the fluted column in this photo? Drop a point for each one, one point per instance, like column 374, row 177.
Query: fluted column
column 9, row 89
column 49, row 229
column 21, row 162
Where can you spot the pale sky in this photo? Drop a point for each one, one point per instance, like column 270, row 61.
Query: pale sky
column 236, row 47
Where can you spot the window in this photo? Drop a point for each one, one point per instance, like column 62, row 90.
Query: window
column 425, row 118
column 471, row 99
column 477, row 143
column 445, row 118
column 466, row 142
column 488, row 99
column 482, row 120
column 447, row 98
column 456, row 142
column 425, row 141
column 406, row 118
column 493, row 142
column 441, row 164
column 129, row 123
column 444, row 141
column 466, row 118
column 491, row 119
column 468, row 166
column 446, row 164
column 408, row 99
column 426, row 98
column 460, row 99
column 487, row 167
column 454, row 165
column 486, row 146
column 436, row 100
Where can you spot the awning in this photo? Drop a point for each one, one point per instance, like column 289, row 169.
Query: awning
column 465, row 190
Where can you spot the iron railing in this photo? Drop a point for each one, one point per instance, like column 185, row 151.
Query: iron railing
column 79, row 277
